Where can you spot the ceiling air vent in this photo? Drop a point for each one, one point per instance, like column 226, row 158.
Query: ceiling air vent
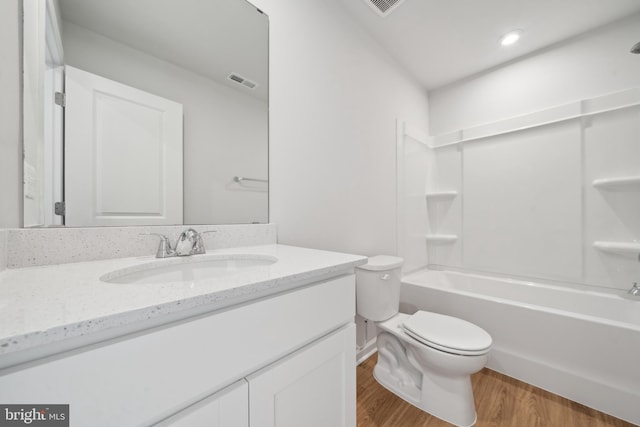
column 242, row 81
column 384, row 7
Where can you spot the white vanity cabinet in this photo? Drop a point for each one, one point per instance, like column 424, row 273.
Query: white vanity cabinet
column 291, row 354
column 315, row 387
column 228, row 407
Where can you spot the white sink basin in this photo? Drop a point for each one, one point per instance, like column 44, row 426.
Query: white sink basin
column 189, row 269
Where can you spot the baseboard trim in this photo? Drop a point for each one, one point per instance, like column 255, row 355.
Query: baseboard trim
column 366, row 352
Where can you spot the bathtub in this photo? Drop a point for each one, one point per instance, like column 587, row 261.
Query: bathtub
column 574, row 341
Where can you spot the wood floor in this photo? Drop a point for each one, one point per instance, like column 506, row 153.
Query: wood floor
column 501, row 401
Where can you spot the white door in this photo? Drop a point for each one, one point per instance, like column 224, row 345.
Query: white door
column 123, row 154
column 314, row 387
column 227, row 408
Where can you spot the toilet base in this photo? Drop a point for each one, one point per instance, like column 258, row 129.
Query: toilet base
column 447, row 398
column 394, row 371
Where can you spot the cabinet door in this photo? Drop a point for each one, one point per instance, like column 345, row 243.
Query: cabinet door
column 313, row 387
column 226, row 408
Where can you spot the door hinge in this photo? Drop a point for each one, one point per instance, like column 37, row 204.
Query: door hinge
column 60, row 208
column 61, row 99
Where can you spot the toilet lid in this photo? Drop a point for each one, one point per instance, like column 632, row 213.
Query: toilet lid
column 447, row 333
column 382, row 262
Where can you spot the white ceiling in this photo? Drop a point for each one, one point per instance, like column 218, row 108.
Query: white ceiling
column 211, row 38
column 442, row 41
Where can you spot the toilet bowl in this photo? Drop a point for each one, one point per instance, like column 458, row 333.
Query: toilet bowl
column 425, row 358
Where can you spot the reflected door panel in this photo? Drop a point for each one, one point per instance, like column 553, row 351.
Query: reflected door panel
column 123, row 154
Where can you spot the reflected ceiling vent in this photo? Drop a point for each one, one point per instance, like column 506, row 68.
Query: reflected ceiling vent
column 384, row 7
column 242, row 81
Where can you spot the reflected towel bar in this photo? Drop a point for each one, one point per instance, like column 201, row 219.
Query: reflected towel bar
column 242, row 178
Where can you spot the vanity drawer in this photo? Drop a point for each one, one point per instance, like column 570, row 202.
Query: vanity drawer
column 142, row 378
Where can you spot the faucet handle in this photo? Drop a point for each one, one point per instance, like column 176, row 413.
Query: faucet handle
column 199, row 247
column 164, row 248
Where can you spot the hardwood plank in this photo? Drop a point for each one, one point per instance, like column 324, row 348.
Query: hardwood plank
column 501, row 401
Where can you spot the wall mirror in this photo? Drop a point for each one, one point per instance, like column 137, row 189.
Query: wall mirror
column 145, row 112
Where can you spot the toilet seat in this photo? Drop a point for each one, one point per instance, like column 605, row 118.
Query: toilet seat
column 447, row 333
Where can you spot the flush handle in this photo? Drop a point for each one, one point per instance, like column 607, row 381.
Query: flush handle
column 385, row 276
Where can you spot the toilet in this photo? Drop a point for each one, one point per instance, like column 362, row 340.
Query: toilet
column 426, row 358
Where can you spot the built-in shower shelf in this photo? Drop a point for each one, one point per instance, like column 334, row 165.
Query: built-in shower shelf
column 624, row 248
column 628, row 183
column 441, row 195
column 441, row 238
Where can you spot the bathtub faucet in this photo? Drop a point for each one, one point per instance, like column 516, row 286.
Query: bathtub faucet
column 635, row 290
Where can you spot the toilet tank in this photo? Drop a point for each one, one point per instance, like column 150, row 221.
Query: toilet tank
column 378, row 288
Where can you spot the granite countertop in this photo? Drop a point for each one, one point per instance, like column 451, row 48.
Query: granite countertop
column 48, row 304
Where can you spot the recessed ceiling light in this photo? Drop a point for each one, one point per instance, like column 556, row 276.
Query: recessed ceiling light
column 510, row 38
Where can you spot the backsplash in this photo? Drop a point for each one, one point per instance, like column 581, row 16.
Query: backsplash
column 46, row 246
column 3, row 249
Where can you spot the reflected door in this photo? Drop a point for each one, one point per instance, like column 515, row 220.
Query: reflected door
column 123, row 154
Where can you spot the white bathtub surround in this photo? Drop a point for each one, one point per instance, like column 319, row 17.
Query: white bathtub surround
column 47, row 246
column 576, row 341
column 49, row 308
column 543, row 163
column 552, row 191
column 413, row 167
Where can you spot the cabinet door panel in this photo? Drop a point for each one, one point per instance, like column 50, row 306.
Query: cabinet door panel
column 226, row 408
column 314, row 387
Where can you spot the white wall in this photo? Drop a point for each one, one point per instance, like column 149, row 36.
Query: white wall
column 224, row 130
column 593, row 64
column 10, row 115
column 334, row 99
column 527, row 206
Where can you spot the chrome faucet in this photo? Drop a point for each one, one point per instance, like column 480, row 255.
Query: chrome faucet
column 190, row 242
